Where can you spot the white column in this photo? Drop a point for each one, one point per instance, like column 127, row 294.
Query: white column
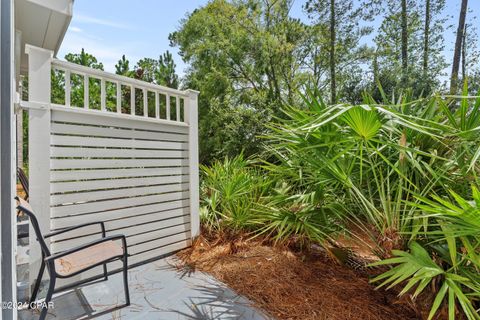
column 191, row 117
column 7, row 161
column 18, row 86
column 39, row 80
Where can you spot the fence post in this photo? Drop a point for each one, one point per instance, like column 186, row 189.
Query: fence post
column 191, row 117
column 39, row 80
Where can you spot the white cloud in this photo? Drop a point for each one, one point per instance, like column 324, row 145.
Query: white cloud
column 75, row 29
column 103, row 22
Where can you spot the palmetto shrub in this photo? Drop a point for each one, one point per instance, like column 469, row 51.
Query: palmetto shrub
column 229, row 191
column 301, row 218
column 239, row 196
column 403, row 170
column 444, row 254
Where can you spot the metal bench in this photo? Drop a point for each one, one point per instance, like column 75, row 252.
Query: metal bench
column 74, row 261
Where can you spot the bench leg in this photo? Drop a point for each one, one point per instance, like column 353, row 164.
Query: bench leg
column 125, row 280
column 48, row 298
column 105, row 272
column 37, row 284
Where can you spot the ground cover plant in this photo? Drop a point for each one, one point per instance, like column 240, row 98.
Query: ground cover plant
column 403, row 171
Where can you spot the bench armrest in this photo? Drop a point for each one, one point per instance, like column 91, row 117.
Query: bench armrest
column 88, row 245
column 54, row 233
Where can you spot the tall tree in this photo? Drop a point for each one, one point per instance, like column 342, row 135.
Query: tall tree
column 123, row 67
column 458, row 47
column 336, row 23
column 433, row 61
column 470, row 54
column 165, row 74
column 404, row 43
column 161, row 71
column 146, row 70
column 248, row 58
column 425, row 62
column 333, row 86
column 426, row 35
column 77, row 83
column 85, row 59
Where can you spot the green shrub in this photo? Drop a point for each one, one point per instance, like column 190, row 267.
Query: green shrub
column 448, row 258
column 400, row 170
column 403, row 168
column 239, row 195
column 285, row 215
column 230, row 189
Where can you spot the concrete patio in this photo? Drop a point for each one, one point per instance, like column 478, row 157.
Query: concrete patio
column 158, row 290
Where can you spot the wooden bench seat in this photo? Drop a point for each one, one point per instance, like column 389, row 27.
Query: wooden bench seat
column 87, row 257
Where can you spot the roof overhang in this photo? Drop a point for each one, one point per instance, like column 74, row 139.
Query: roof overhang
column 42, row 23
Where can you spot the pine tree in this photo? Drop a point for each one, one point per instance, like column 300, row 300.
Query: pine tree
column 404, row 44
column 123, row 67
column 333, row 86
column 426, row 35
column 336, row 23
column 419, row 67
column 165, row 74
column 458, row 47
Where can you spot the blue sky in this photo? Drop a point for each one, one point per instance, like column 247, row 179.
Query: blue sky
column 110, row 28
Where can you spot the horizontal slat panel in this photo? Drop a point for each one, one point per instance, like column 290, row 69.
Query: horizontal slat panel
column 60, row 187
column 156, row 243
column 140, row 239
column 77, row 152
column 56, row 164
column 115, row 143
column 106, row 120
column 158, row 251
column 160, row 208
column 77, row 242
column 115, row 193
column 149, row 218
column 68, row 175
column 116, row 204
column 88, row 130
column 126, row 229
column 164, row 234
column 130, row 172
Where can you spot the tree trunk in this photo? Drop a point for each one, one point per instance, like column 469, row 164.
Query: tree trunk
column 375, row 67
column 333, row 85
column 458, row 47
column 404, row 44
column 426, row 38
column 464, row 54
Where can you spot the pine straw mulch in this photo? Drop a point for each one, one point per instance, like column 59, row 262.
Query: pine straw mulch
column 292, row 284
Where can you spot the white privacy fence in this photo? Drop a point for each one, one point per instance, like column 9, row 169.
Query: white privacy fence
column 111, row 149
